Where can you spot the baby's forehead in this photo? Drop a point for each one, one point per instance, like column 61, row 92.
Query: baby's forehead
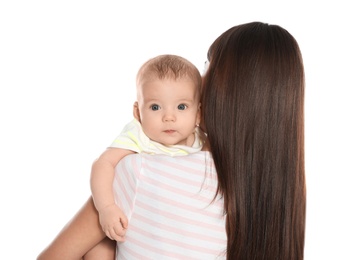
column 155, row 86
column 143, row 84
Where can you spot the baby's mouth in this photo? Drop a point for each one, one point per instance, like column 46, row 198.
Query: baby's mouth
column 169, row 131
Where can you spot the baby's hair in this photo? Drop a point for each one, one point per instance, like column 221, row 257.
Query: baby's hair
column 169, row 67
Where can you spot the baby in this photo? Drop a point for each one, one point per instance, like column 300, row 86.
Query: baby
column 166, row 119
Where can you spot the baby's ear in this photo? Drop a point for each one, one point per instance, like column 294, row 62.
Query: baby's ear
column 198, row 115
column 136, row 113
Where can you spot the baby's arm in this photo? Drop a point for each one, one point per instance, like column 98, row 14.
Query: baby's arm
column 111, row 218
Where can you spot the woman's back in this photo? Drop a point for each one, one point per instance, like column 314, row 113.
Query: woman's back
column 170, row 206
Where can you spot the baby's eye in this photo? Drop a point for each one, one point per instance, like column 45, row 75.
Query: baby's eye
column 181, row 106
column 155, row 107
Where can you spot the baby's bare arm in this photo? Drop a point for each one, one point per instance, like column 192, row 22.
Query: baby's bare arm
column 112, row 219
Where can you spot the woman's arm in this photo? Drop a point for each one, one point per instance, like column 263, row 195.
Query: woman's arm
column 81, row 238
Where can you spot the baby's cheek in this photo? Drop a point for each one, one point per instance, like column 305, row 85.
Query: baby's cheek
column 148, row 129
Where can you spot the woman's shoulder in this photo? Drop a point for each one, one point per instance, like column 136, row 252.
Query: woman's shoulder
column 199, row 156
column 199, row 163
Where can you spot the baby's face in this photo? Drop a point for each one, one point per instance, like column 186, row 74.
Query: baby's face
column 168, row 110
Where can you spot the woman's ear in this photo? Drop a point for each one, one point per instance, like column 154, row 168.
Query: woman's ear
column 136, row 113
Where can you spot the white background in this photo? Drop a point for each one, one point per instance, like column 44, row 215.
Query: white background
column 67, row 71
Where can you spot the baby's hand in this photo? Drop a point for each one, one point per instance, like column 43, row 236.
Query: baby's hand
column 113, row 222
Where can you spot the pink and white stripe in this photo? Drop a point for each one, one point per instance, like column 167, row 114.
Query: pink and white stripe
column 170, row 206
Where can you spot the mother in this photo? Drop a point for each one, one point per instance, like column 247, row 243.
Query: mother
column 252, row 110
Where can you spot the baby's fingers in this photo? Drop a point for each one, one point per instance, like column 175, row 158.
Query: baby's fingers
column 118, row 235
column 107, row 233
column 119, row 230
column 124, row 221
column 114, row 236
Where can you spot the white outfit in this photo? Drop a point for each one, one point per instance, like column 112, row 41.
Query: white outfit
column 133, row 138
column 170, row 207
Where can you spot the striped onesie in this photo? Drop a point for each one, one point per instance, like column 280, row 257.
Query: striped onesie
column 170, row 207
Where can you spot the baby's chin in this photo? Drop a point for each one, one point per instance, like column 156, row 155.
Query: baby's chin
column 173, row 144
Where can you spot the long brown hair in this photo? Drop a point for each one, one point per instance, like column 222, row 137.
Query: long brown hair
column 253, row 107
